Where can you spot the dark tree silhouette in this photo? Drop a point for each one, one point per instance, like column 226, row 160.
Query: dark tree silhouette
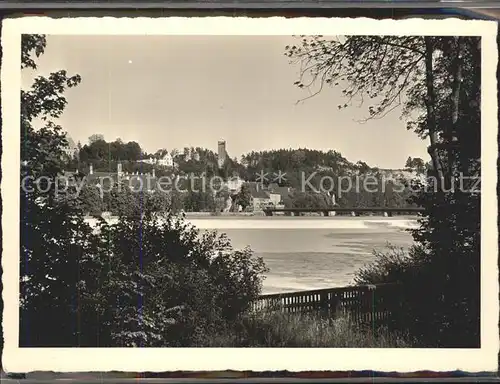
column 436, row 82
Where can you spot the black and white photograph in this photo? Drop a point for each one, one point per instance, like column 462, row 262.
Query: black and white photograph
column 272, row 190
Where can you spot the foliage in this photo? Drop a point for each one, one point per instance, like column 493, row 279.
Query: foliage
column 243, row 197
column 435, row 81
column 95, row 138
column 100, row 152
column 295, row 163
column 169, row 285
column 435, row 305
column 308, row 200
column 302, row 168
column 91, row 201
column 222, row 196
column 421, row 75
column 199, row 201
column 392, row 265
column 54, row 240
column 416, row 164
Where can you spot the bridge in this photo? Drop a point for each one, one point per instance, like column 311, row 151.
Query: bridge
column 348, row 210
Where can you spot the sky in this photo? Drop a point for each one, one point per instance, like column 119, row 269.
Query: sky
column 192, row 91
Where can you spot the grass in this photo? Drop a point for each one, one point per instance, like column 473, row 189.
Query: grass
column 279, row 329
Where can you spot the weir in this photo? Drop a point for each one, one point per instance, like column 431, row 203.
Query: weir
column 353, row 211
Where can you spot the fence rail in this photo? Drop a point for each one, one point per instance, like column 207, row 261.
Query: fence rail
column 364, row 304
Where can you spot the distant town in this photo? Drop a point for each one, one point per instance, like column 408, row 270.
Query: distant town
column 260, row 180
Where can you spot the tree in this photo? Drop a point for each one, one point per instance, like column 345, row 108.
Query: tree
column 123, row 202
column 409, row 162
column 102, row 154
column 56, row 244
column 199, row 201
column 395, row 71
column 221, row 197
column 436, row 81
column 244, row 197
column 308, row 200
column 91, row 201
column 415, row 164
column 95, row 137
column 363, row 167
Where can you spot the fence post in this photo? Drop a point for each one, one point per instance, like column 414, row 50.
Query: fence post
column 334, row 304
column 323, row 303
column 396, row 300
column 371, row 296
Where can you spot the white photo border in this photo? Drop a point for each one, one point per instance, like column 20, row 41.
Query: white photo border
column 16, row 359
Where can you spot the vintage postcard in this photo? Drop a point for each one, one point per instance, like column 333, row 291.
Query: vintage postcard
column 192, row 193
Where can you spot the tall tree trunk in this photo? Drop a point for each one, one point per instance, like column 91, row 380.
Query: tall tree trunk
column 451, row 131
column 431, row 112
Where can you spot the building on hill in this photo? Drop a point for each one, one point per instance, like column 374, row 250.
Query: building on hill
column 149, row 160
column 145, row 182
column 284, row 192
column 261, row 197
column 164, row 161
column 70, row 149
column 221, row 153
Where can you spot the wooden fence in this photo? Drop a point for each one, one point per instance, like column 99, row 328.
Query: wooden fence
column 364, row 304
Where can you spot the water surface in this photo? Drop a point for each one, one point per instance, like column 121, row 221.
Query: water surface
column 304, row 257
column 310, row 252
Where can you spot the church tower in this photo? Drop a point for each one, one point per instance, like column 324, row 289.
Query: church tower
column 221, row 153
column 119, row 169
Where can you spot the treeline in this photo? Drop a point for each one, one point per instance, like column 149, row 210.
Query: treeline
column 120, row 200
column 299, row 160
column 304, row 171
column 293, row 164
column 383, row 193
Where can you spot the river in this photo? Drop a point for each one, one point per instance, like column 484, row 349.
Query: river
column 305, row 253
column 312, row 253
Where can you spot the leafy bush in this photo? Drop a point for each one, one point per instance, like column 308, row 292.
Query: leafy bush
column 392, row 266
column 163, row 283
column 440, row 277
column 449, row 266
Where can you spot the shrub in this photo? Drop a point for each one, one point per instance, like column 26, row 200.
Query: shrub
column 440, row 292
column 392, row 266
column 163, row 283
